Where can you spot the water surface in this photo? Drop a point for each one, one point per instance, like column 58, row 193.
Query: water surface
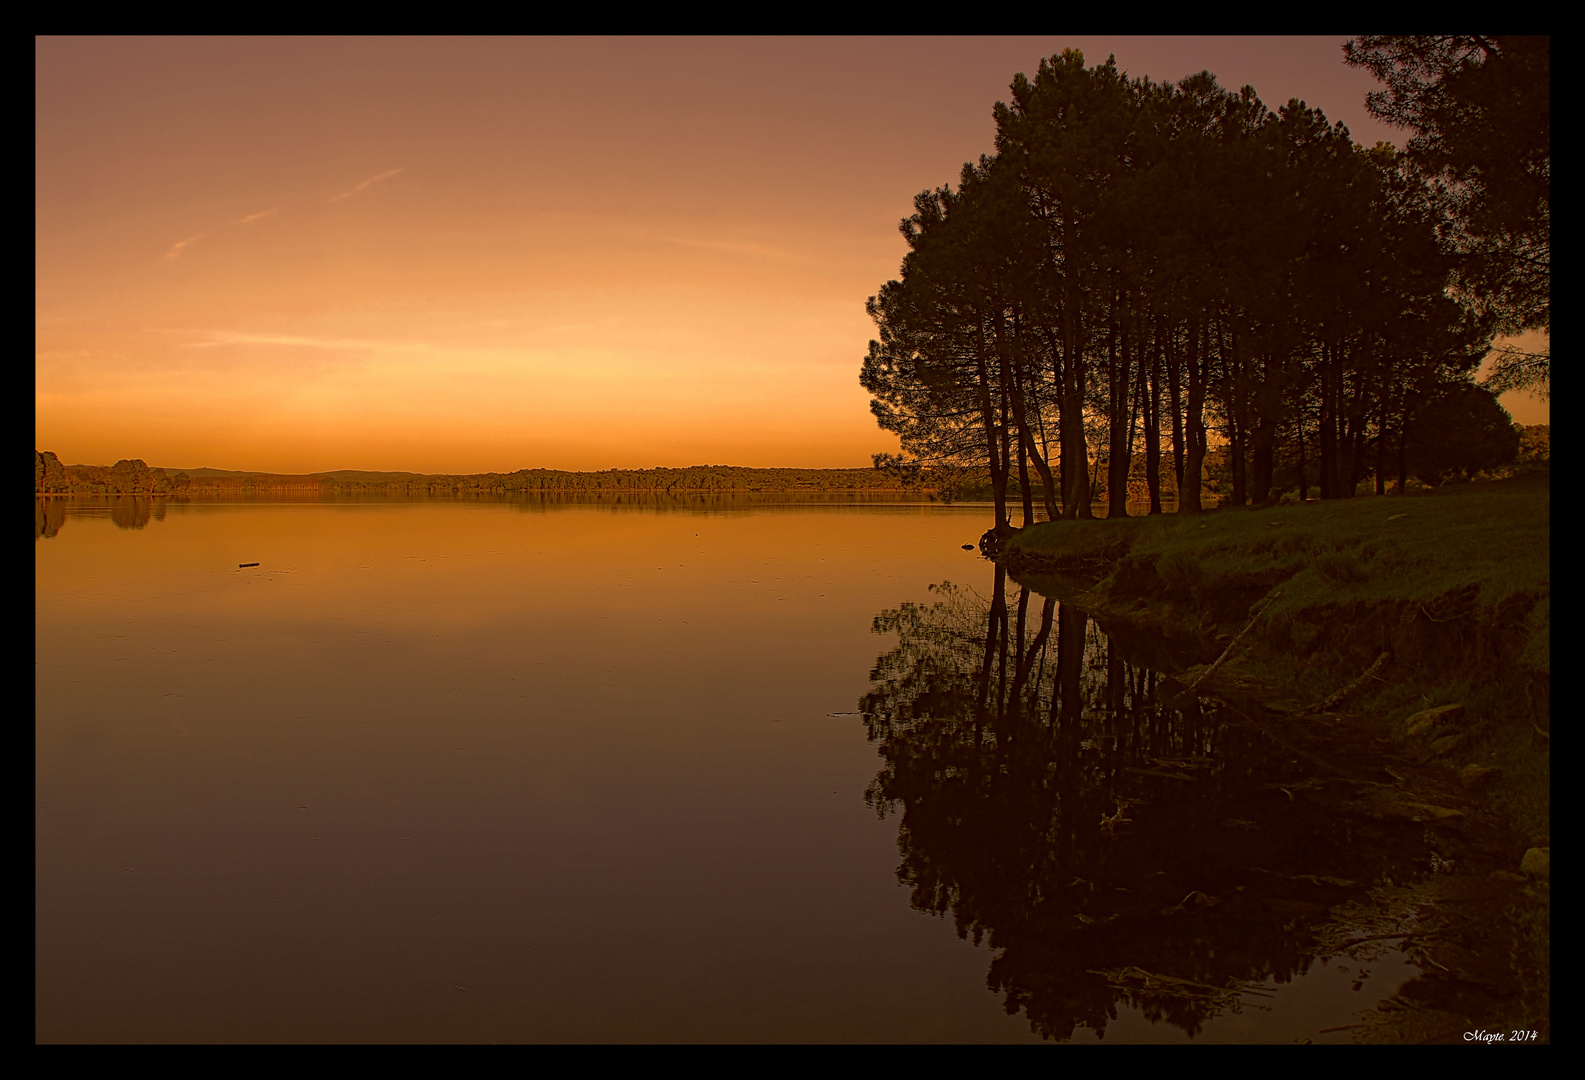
column 440, row 771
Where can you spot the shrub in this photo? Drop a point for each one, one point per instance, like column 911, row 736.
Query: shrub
column 1461, row 432
column 1340, row 569
column 1179, row 569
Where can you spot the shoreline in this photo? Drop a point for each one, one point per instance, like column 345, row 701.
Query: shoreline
column 1340, row 628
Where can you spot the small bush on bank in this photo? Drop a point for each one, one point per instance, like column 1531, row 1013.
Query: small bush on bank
column 1341, row 569
column 1180, row 570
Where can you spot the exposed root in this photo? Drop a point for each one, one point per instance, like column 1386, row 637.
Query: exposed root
column 1371, row 672
column 1218, row 662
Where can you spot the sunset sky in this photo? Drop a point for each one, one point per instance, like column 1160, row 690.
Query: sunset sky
column 467, row 255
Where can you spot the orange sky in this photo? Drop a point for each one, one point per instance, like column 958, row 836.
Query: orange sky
column 468, row 255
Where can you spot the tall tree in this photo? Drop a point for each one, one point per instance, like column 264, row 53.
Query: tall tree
column 1066, row 134
column 944, row 375
column 1135, row 249
column 1480, row 112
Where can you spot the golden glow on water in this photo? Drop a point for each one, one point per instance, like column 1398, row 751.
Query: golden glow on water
column 448, row 771
column 578, row 762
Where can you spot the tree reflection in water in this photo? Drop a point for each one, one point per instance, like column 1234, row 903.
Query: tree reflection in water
column 125, row 511
column 1105, row 846
column 49, row 514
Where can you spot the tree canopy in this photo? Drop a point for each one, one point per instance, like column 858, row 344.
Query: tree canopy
column 1462, row 431
column 1152, row 263
column 1479, row 109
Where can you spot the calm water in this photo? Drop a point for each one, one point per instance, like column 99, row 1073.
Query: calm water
column 441, row 771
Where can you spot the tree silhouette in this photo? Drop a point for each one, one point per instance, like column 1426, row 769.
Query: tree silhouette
column 1461, row 432
column 1480, row 112
column 1172, row 261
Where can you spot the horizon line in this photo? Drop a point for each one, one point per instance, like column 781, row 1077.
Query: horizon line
column 481, row 472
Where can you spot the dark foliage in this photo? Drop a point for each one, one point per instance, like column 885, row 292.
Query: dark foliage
column 1461, row 432
column 1141, row 265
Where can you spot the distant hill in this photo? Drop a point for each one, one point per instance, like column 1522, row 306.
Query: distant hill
column 205, row 472
column 134, row 477
column 338, row 474
column 364, row 474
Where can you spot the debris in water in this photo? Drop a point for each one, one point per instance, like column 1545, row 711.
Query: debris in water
column 1109, row 824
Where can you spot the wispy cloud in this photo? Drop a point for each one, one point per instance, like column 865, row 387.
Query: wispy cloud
column 176, row 248
column 365, row 183
column 255, row 217
column 743, row 247
column 226, row 337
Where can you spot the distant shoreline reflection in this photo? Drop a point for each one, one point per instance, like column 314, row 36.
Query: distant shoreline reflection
column 136, row 511
column 126, row 511
column 50, row 512
column 1109, row 844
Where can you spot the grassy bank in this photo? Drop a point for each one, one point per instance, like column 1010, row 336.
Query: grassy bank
column 1453, row 583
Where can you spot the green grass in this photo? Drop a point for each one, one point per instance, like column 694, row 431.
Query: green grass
column 1456, row 582
column 1486, row 545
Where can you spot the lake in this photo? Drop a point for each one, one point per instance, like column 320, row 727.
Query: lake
column 636, row 770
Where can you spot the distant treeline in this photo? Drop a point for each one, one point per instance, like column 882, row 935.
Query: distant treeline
column 134, row 477
column 125, row 477
column 131, row 476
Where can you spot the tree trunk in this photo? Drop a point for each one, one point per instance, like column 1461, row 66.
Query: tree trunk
column 1119, row 372
column 1262, row 462
column 1013, row 394
column 1153, row 425
column 1136, row 406
column 1027, row 451
column 1175, row 403
column 1075, row 450
column 1304, row 478
column 1196, row 367
column 1263, row 433
column 1328, row 426
column 1403, row 447
column 1007, row 459
column 998, row 463
column 1023, row 480
column 1237, row 418
column 1358, row 424
column 1381, row 452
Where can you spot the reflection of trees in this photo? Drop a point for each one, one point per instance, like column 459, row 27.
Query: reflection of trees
column 131, row 512
column 539, row 502
column 1070, row 819
column 126, row 511
column 48, row 517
